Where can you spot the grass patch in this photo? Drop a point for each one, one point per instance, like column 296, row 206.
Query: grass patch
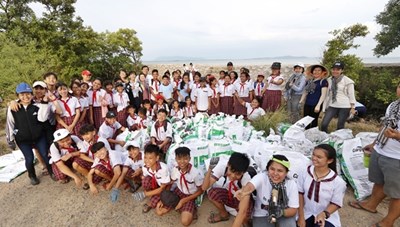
column 356, row 127
column 270, row 120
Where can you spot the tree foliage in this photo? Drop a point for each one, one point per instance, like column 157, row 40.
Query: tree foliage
column 389, row 37
column 343, row 40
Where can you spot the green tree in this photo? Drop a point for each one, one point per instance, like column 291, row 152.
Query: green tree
column 14, row 13
column 389, row 37
column 343, row 40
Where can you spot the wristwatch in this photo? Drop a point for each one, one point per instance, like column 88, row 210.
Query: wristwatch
column 327, row 214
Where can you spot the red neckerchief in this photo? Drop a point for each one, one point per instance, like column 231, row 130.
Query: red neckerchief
column 197, row 84
column 190, row 111
column 111, row 126
column 107, row 164
column 158, row 126
column 94, row 96
column 215, row 92
column 231, row 184
column 69, row 149
column 182, row 178
column 66, row 107
column 121, row 99
column 252, row 111
column 225, row 86
column 259, row 88
column 156, row 84
column 153, row 175
column 242, row 87
column 111, row 95
column 90, row 146
column 315, row 185
column 134, row 117
column 176, row 83
column 141, row 123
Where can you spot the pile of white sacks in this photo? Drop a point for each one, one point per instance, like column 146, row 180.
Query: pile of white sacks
column 220, row 135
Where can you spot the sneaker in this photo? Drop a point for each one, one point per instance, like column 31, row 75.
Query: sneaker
column 34, row 181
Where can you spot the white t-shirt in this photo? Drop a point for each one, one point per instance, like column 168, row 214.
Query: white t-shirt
column 166, row 90
column 161, row 174
column 226, row 90
column 134, row 165
column 121, row 100
column 193, row 88
column 142, row 123
column 84, row 146
column 331, row 191
column 107, row 131
column 57, row 154
column 131, row 121
column 189, row 111
column 95, row 100
column 194, row 179
column 159, row 133
column 84, row 101
column 274, row 87
column 243, row 89
column 202, row 95
column 73, row 104
column 391, row 148
column 264, row 188
column 176, row 114
column 114, row 159
column 253, row 114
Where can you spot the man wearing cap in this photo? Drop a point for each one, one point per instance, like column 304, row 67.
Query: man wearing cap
column 294, row 89
column 86, row 77
column 109, row 128
column 340, row 99
column 273, row 94
column 25, row 128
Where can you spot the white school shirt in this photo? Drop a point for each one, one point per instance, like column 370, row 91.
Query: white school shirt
column 161, row 174
column 176, row 114
column 134, row 165
column 391, row 148
column 156, row 108
column 57, row 154
column 263, row 187
column 202, row 95
column 214, row 92
column 155, row 87
column 110, row 98
column 189, row 111
column 131, row 121
column 73, row 104
column 219, row 171
column 84, row 101
column 84, row 146
column 253, row 114
column 121, row 100
column 221, row 82
column 114, row 159
column 95, row 101
column 159, row 133
column 331, row 191
column 193, row 88
column 142, row 123
column 193, row 177
column 226, row 90
column 258, row 87
column 108, row 131
column 274, row 87
column 243, row 89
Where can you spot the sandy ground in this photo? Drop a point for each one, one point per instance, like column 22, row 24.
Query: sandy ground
column 53, row 204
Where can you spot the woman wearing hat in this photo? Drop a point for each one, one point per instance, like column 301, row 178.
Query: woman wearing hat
column 294, row 90
column 276, row 197
column 25, row 128
column 341, row 100
column 314, row 93
column 273, row 94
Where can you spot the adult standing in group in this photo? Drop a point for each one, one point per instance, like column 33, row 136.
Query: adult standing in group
column 229, row 67
column 294, row 89
column 273, row 93
column 341, row 100
column 144, row 88
column 384, row 168
column 314, row 93
column 25, row 128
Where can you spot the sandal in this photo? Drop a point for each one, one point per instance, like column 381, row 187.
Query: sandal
column 146, row 208
column 45, row 172
column 213, row 218
column 85, row 186
column 357, row 205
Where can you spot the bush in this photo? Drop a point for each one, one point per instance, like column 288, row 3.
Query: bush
column 270, row 120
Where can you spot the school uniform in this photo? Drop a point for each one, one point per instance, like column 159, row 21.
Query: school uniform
column 95, row 100
column 226, row 98
column 121, row 101
column 202, row 95
column 109, row 131
column 161, row 132
column 183, row 92
column 175, row 84
column 319, row 194
column 187, row 184
column 154, row 179
column 68, row 108
column 141, row 123
column 110, row 100
column 176, row 113
column 253, row 113
column 57, row 152
column 214, row 98
column 258, row 88
column 225, row 194
column 221, row 82
column 166, row 91
column 130, row 121
column 243, row 90
column 84, row 101
column 107, row 167
column 189, row 111
column 193, row 87
column 273, row 95
column 155, row 87
column 133, row 165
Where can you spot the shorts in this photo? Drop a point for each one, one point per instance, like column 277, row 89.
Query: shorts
column 386, row 171
column 220, row 195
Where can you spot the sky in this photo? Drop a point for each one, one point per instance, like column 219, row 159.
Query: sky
column 233, row 29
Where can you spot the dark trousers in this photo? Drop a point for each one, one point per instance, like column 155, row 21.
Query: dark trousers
column 26, row 149
column 330, row 113
column 309, row 111
column 310, row 223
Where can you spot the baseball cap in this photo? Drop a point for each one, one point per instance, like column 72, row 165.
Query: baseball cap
column 110, row 114
column 39, row 83
column 60, row 134
column 86, row 73
column 299, row 65
column 119, row 84
column 159, row 97
column 23, row 88
column 338, row 65
column 260, row 74
column 276, row 65
column 131, row 143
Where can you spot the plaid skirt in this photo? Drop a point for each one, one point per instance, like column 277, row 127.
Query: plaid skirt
column 147, row 186
column 239, row 109
column 213, row 109
column 137, row 179
column 121, row 117
column 57, row 172
column 97, row 117
column 87, row 165
column 68, row 121
column 226, row 104
column 190, row 206
column 271, row 100
column 220, row 195
column 102, row 169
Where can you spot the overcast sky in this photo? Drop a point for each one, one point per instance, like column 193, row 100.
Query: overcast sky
column 233, row 29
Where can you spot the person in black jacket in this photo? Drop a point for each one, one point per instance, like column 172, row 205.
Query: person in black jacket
column 25, row 128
